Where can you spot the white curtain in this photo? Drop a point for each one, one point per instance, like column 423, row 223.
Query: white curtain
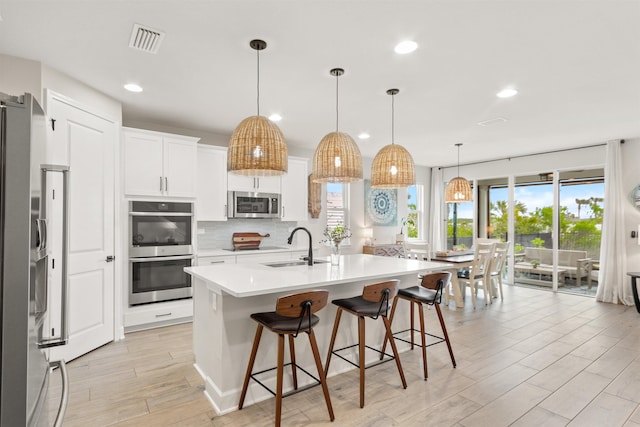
column 613, row 282
column 436, row 231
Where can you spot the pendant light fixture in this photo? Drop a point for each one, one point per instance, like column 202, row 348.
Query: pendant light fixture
column 257, row 146
column 393, row 165
column 337, row 157
column 458, row 189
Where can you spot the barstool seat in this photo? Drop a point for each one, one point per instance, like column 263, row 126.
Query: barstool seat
column 373, row 303
column 278, row 323
column 294, row 314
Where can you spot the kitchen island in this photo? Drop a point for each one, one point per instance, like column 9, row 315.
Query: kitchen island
column 225, row 295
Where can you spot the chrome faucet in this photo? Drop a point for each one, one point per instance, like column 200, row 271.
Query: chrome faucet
column 310, row 257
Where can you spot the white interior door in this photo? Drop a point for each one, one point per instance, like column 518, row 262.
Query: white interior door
column 90, row 142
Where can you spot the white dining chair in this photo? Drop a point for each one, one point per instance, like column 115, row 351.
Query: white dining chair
column 497, row 266
column 479, row 272
column 417, row 250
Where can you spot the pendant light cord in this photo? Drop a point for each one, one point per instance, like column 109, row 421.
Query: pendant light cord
column 337, row 97
column 393, row 118
column 258, row 81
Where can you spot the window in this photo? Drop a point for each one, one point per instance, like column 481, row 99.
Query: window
column 414, row 211
column 338, row 205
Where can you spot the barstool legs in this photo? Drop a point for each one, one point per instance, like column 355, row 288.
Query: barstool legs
column 361, row 338
column 387, row 325
column 292, row 352
column 280, row 372
column 252, row 359
column 333, row 339
column 321, row 374
column 446, row 335
column 361, row 349
column 422, row 332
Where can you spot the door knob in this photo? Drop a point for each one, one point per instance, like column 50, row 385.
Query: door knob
column 110, row 258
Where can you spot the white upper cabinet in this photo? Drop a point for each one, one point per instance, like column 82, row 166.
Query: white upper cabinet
column 159, row 164
column 253, row 184
column 294, row 191
column 211, row 202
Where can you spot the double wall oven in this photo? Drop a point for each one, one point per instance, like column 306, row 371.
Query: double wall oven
column 160, row 246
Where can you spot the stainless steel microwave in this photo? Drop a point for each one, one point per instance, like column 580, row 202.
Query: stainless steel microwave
column 253, row 205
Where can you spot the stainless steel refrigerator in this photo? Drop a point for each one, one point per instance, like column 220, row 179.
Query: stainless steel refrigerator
column 28, row 327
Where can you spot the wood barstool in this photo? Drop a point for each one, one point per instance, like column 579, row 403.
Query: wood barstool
column 294, row 314
column 429, row 292
column 373, row 303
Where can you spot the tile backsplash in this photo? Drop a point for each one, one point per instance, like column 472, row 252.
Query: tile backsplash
column 219, row 234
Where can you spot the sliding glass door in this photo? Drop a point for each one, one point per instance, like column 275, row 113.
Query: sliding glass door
column 555, row 222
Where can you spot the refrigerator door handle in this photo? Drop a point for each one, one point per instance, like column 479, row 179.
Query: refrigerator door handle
column 41, row 234
column 64, row 326
column 64, row 399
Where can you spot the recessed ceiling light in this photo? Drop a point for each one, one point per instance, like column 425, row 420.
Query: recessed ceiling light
column 275, row 117
column 406, row 46
column 364, row 135
column 132, row 87
column 507, row 93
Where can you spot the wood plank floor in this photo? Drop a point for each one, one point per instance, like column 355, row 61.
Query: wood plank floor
column 535, row 359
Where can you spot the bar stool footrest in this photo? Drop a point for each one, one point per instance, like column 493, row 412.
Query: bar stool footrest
column 389, row 358
column 440, row 339
column 290, row 392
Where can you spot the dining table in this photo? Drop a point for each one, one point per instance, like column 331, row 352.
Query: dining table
column 460, row 260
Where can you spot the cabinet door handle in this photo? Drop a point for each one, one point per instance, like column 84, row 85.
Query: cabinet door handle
column 216, row 262
column 225, row 211
column 166, row 184
column 283, row 214
column 161, row 184
column 164, row 314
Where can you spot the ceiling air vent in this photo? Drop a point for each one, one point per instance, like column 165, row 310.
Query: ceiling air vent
column 145, row 39
column 492, row 121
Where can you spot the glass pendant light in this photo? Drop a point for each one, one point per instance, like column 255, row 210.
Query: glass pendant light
column 337, row 157
column 257, row 146
column 458, row 189
column 393, row 166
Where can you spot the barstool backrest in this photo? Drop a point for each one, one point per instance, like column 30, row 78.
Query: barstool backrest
column 295, row 305
column 436, row 281
column 376, row 291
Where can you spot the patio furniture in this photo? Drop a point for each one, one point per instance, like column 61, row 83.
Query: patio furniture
column 575, row 264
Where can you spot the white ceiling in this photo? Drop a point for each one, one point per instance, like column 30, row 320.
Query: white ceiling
column 576, row 65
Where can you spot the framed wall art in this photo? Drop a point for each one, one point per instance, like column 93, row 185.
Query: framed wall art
column 380, row 205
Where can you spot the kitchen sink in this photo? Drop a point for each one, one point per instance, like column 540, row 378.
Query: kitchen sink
column 294, row 263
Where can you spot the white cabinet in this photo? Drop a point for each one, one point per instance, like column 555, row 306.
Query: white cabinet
column 158, row 314
column 211, row 201
column 294, row 191
column 209, row 260
column 253, row 184
column 159, row 164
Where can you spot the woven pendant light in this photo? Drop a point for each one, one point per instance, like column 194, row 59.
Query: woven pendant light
column 458, row 189
column 393, row 166
column 337, row 157
column 257, row 146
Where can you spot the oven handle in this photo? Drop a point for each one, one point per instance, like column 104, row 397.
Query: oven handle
column 162, row 258
column 167, row 214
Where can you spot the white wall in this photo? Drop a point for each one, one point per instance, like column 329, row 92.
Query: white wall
column 584, row 158
column 18, row 76
column 81, row 93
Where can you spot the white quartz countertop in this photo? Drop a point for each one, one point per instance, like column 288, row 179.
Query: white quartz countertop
column 258, row 279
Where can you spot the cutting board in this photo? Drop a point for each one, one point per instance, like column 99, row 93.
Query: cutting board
column 247, row 240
